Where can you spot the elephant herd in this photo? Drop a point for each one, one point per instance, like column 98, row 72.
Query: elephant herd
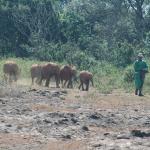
column 44, row 72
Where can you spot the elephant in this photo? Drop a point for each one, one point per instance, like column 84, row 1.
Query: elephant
column 35, row 72
column 11, row 71
column 67, row 74
column 49, row 70
column 85, row 78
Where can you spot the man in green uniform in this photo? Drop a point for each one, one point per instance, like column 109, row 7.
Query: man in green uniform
column 140, row 68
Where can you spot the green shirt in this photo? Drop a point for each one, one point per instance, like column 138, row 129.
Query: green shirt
column 140, row 65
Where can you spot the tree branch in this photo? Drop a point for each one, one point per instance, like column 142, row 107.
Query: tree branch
column 132, row 5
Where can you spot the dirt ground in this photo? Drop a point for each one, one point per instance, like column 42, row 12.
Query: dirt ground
column 38, row 118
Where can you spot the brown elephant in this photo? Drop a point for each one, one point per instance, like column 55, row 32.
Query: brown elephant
column 68, row 74
column 49, row 70
column 35, row 72
column 85, row 78
column 11, row 71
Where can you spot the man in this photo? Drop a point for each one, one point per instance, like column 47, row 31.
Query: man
column 140, row 68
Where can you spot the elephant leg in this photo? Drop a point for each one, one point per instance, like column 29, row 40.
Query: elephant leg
column 65, row 83
column 80, row 85
column 40, row 81
column 87, row 85
column 5, row 78
column 70, row 84
column 37, row 80
column 32, row 80
column 62, row 84
column 15, row 77
column 92, row 82
column 57, row 81
column 47, row 82
column 10, row 78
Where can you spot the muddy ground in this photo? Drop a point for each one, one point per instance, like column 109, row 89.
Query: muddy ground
column 35, row 118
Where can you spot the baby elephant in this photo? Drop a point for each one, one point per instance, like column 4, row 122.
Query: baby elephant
column 11, row 71
column 67, row 74
column 85, row 78
column 49, row 70
column 35, row 73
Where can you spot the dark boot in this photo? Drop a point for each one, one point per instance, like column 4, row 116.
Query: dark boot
column 136, row 92
column 140, row 93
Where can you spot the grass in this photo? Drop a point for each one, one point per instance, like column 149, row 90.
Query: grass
column 107, row 77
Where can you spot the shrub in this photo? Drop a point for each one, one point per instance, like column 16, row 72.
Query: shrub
column 82, row 61
column 129, row 74
column 123, row 54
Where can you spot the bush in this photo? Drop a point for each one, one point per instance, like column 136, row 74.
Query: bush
column 82, row 61
column 107, row 77
column 123, row 54
column 129, row 74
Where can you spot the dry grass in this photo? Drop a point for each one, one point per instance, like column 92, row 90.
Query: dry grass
column 66, row 145
column 117, row 99
column 42, row 107
column 11, row 139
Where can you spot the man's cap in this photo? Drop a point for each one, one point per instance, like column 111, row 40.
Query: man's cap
column 140, row 55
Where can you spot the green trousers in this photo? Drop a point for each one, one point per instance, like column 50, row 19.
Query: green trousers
column 138, row 81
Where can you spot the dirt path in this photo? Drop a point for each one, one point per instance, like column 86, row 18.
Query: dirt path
column 59, row 119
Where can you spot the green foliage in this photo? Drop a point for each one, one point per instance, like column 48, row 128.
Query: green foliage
column 128, row 74
column 83, row 61
column 107, row 77
column 123, row 54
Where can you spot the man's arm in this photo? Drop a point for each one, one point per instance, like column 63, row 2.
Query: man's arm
column 145, row 69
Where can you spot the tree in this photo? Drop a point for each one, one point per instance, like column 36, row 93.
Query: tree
column 137, row 7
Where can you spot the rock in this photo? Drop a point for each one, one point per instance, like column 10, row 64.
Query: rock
column 85, row 128
column 62, row 97
column 26, row 109
column 66, row 136
column 43, row 93
column 95, row 116
column 56, row 123
column 32, row 90
column 6, row 131
column 8, row 125
column 47, row 121
column 97, row 145
column 74, row 120
column 123, row 136
column 63, row 121
column 147, row 123
column 64, row 91
column 19, row 128
column 3, row 102
column 139, row 133
column 55, row 93
column 112, row 115
column 56, row 99
column 111, row 121
column 106, row 133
